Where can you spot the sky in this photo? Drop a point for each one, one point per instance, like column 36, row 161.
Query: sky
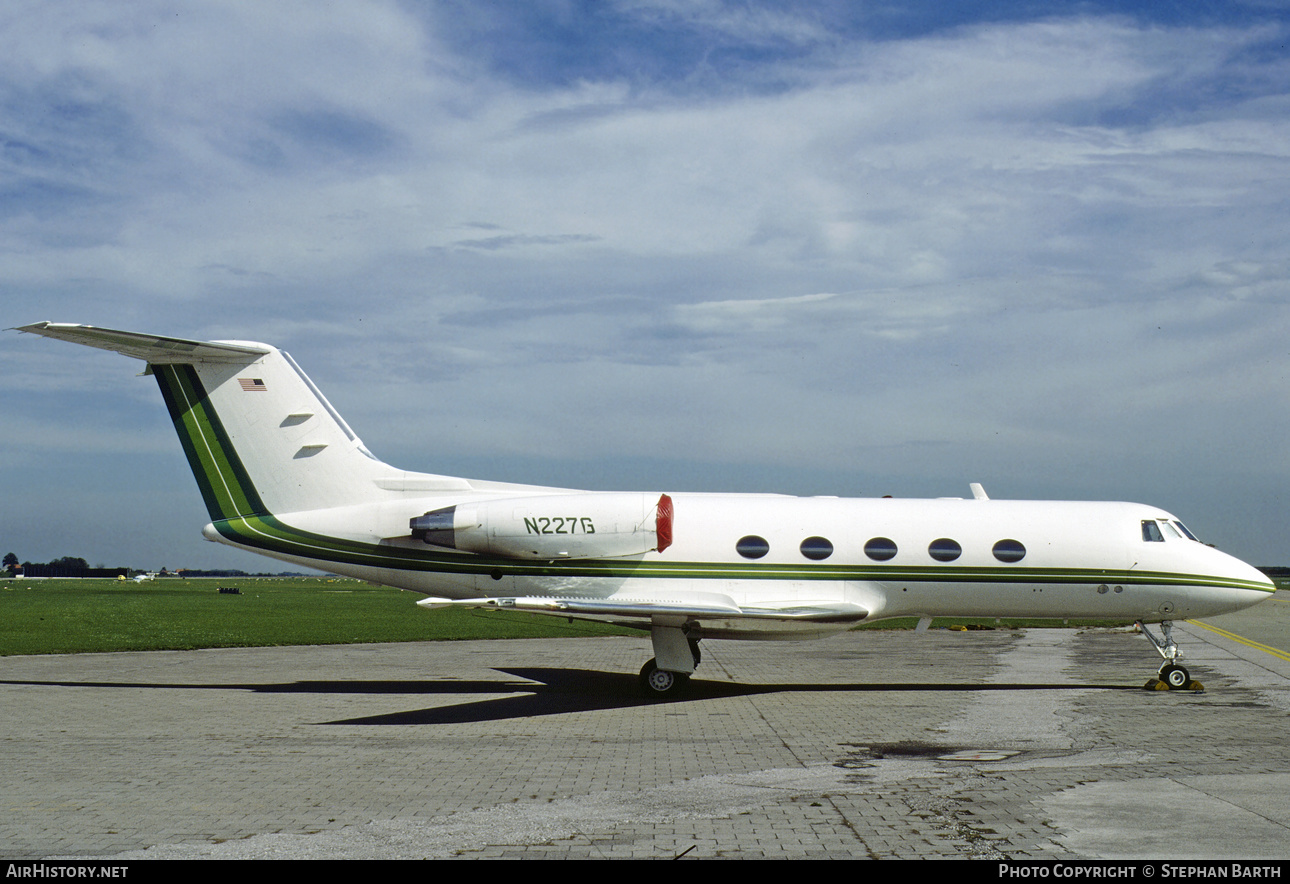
column 839, row 248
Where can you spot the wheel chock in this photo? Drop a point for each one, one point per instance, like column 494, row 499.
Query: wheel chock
column 1155, row 684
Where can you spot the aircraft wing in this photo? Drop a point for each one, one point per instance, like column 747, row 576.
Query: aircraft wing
column 153, row 348
column 696, row 605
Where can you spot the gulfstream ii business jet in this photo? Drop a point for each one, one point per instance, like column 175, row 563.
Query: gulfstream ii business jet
column 283, row 475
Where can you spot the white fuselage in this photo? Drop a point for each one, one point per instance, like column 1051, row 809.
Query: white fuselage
column 1076, row 559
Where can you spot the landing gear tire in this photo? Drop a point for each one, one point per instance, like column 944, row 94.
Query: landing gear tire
column 660, row 684
column 1176, row 677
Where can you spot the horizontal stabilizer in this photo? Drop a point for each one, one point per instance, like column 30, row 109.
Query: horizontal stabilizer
column 152, row 348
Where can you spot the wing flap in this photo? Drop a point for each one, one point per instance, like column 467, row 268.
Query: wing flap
column 696, row 605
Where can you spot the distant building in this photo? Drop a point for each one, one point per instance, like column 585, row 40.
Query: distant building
column 34, row 570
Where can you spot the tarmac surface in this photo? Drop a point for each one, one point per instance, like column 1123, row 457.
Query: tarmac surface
column 1028, row 744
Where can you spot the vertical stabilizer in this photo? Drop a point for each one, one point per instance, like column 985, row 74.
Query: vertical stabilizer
column 261, row 439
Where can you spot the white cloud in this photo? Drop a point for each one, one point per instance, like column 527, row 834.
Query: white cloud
column 966, row 241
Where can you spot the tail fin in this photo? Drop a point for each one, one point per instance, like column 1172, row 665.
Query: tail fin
column 259, row 436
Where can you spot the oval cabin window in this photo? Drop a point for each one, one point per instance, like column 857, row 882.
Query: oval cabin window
column 880, row 549
column 1009, row 551
column 817, row 548
column 944, row 550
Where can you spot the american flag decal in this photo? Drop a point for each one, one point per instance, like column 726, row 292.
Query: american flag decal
column 252, row 385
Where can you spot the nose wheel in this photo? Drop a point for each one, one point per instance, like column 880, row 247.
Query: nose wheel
column 1176, row 677
column 1172, row 676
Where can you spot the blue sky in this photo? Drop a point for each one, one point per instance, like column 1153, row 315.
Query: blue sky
column 824, row 248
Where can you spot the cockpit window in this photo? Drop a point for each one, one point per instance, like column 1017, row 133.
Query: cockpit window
column 1170, row 529
column 1186, row 533
column 1151, row 531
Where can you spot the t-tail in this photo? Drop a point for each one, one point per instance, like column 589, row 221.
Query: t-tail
column 260, row 437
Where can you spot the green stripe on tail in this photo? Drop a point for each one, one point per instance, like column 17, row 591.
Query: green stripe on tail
column 225, row 485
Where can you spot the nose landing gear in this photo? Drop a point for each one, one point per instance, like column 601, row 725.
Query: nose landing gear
column 1172, row 676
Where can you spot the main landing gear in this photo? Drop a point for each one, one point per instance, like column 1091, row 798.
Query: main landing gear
column 676, row 656
column 1172, row 676
column 659, row 683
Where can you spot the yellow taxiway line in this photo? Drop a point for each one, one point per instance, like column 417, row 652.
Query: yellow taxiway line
column 1275, row 652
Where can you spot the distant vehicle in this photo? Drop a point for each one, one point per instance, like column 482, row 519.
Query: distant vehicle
column 283, row 475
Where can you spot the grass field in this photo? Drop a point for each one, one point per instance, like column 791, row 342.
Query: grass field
column 73, row 616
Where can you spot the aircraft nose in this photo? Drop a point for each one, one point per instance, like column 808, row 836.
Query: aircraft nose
column 1260, row 580
column 1250, row 584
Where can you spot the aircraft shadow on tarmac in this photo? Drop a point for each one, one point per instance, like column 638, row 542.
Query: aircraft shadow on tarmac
column 549, row 691
column 557, row 691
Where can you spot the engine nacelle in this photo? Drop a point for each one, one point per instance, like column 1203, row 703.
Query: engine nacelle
column 589, row 525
